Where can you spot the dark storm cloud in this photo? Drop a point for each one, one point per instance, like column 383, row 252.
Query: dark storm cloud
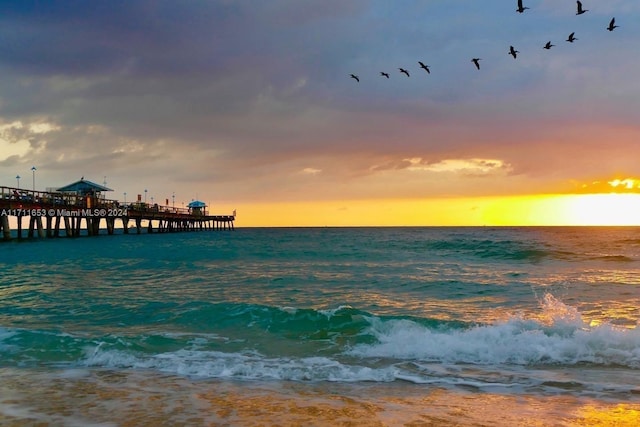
column 151, row 68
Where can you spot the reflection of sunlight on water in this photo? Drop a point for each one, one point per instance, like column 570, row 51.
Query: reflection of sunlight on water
column 618, row 277
column 620, row 315
column 619, row 415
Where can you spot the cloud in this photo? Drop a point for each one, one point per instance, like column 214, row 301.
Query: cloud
column 462, row 166
column 17, row 139
column 235, row 97
column 618, row 185
column 311, row 171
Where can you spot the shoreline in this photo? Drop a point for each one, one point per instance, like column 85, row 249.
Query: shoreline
column 101, row 397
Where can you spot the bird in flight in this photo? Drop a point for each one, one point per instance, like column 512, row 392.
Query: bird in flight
column 402, row 70
column 382, row 73
column 520, row 8
column 548, row 45
column 356, row 78
column 513, row 52
column 580, row 9
column 572, row 37
column 476, row 61
column 612, row 24
column 424, row 67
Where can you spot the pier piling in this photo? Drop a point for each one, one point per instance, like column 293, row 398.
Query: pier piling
column 71, row 210
column 6, row 231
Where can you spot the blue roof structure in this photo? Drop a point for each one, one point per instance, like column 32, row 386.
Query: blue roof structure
column 83, row 186
column 196, row 204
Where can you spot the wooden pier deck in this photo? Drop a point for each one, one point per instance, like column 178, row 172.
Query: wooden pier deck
column 54, row 214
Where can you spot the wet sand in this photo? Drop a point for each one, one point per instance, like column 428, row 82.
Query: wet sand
column 139, row 398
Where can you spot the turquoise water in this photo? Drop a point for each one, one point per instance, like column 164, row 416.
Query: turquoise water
column 547, row 313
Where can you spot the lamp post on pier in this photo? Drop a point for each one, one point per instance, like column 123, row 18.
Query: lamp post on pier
column 173, row 199
column 125, row 198
column 33, row 169
column 145, row 196
column 18, row 179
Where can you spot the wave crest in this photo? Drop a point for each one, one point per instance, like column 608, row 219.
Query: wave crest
column 559, row 337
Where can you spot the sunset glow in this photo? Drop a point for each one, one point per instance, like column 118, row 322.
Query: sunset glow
column 540, row 210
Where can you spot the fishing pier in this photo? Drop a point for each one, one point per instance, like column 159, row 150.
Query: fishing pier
column 80, row 209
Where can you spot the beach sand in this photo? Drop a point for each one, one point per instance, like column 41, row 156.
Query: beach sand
column 140, row 398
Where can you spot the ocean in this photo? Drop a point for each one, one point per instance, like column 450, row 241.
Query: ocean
column 430, row 326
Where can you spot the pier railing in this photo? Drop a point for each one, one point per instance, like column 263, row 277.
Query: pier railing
column 71, row 200
column 73, row 209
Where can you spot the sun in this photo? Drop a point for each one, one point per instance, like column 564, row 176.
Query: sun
column 603, row 209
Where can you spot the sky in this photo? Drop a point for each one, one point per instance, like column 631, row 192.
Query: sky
column 249, row 105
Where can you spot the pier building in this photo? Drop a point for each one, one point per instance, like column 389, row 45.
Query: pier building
column 82, row 208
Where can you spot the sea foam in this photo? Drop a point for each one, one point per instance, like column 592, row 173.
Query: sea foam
column 559, row 336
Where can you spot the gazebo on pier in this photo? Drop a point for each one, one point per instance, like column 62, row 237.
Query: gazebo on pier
column 84, row 189
column 197, row 208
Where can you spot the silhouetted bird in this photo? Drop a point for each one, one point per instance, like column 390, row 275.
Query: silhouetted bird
column 572, row 38
column 513, row 52
column 353, row 76
column 424, row 67
column 402, row 70
column 520, row 8
column 580, row 9
column 548, row 45
column 476, row 61
column 382, row 73
column 612, row 24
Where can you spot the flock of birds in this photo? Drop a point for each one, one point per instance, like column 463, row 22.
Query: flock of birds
column 512, row 51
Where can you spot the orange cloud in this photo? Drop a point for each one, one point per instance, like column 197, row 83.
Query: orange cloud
column 617, row 185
